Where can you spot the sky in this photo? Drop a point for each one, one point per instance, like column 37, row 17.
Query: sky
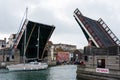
column 60, row 14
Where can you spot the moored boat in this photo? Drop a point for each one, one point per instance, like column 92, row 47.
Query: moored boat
column 31, row 41
column 27, row 66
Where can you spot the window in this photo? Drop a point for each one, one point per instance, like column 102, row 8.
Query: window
column 7, row 59
column 12, row 56
column 101, row 63
column 86, row 58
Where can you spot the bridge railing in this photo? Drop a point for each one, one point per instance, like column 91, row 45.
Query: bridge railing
column 107, row 29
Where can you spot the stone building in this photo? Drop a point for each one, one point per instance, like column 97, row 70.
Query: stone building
column 7, row 56
column 102, row 57
column 49, row 51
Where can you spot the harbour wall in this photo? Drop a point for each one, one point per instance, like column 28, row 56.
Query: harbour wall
column 90, row 73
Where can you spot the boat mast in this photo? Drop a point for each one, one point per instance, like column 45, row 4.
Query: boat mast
column 26, row 12
column 24, row 57
column 38, row 42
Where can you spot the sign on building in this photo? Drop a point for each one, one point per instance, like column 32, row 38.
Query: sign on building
column 102, row 70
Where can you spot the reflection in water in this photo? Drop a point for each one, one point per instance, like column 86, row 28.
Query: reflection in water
column 64, row 72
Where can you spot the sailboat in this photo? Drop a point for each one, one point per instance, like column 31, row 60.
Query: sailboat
column 31, row 65
column 27, row 66
column 34, row 65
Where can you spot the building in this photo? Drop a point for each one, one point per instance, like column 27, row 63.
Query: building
column 78, row 56
column 54, row 50
column 11, row 40
column 49, row 51
column 2, row 43
column 64, row 47
column 7, row 54
column 7, row 57
column 62, row 57
column 61, row 50
column 103, row 57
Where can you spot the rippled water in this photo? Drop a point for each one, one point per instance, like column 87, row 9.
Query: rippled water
column 63, row 72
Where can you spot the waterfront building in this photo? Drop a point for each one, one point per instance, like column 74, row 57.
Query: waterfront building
column 49, row 51
column 103, row 57
column 6, row 53
column 54, row 50
column 11, row 40
column 62, row 57
column 78, row 56
column 7, row 57
column 3, row 43
column 64, row 47
column 64, row 50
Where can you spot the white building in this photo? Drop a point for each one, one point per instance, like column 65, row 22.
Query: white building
column 11, row 40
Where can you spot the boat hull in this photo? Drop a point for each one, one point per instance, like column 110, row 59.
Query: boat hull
column 27, row 67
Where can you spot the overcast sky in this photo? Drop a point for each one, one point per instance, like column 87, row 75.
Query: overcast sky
column 60, row 14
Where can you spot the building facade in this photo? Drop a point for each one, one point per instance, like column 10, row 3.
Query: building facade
column 2, row 43
column 78, row 56
column 102, row 57
column 62, row 57
column 11, row 40
column 8, row 55
column 64, row 47
column 54, row 50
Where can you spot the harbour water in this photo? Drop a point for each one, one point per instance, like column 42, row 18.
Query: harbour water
column 62, row 72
